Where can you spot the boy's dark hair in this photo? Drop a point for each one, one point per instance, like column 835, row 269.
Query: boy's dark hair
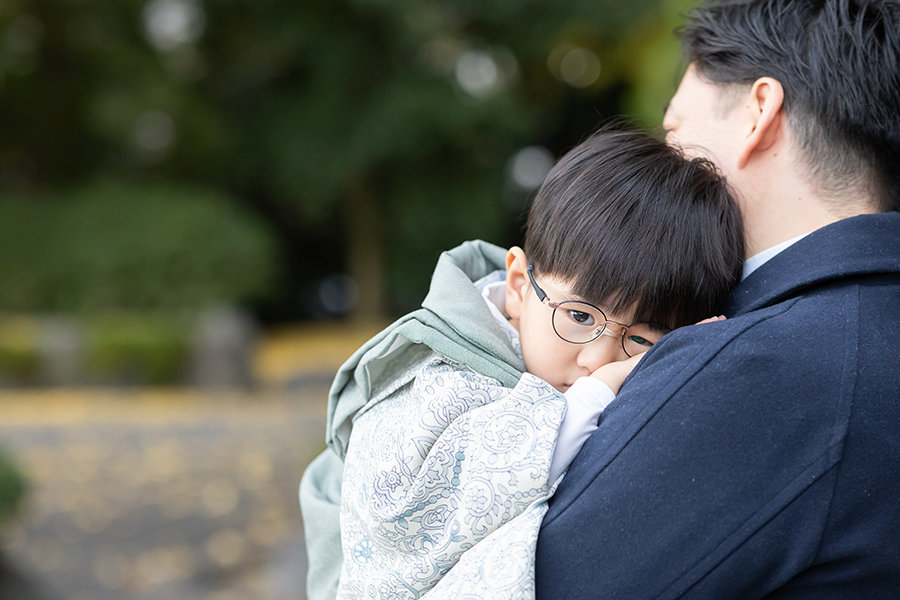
column 839, row 64
column 629, row 222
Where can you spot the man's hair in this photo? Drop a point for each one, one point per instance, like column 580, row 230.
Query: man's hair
column 630, row 223
column 839, row 64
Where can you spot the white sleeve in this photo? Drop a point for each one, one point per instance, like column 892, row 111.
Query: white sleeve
column 585, row 400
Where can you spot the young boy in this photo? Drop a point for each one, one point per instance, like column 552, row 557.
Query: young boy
column 456, row 422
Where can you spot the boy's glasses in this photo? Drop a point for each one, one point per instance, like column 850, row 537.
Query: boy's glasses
column 579, row 323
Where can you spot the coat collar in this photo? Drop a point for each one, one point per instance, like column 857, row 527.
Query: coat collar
column 857, row 246
column 455, row 300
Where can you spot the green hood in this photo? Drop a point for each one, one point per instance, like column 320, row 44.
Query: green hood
column 454, row 321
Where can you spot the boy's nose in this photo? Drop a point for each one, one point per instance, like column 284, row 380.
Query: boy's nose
column 602, row 351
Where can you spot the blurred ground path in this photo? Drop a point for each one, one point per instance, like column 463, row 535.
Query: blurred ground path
column 170, row 494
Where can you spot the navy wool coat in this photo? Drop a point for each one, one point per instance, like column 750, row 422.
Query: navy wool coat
column 757, row 457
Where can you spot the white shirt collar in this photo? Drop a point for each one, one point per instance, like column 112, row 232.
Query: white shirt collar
column 758, row 260
column 493, row 290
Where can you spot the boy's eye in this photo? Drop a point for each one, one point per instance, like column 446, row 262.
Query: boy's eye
column 581, row 317
column 636, row 339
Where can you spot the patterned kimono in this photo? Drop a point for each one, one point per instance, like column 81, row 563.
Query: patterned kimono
column 439, row 450
column 450, row 463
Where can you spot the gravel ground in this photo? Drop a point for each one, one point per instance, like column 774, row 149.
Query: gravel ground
column 174, row 495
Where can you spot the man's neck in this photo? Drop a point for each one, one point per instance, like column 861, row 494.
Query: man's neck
column 773, row 227
column 782, row 207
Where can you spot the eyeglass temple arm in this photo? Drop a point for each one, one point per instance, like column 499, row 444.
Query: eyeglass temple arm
column 540, row 293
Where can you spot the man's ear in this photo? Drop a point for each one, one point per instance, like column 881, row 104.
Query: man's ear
column 763, row 108
column 516, row 281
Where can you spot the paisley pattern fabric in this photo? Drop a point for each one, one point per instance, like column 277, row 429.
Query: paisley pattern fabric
column 447, row 474
column 500, row 567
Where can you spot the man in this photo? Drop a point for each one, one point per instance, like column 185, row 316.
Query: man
column 760, row 456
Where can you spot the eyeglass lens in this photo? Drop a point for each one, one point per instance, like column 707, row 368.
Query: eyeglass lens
column 579, row 323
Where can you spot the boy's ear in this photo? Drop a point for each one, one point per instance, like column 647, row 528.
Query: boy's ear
column 516, row 281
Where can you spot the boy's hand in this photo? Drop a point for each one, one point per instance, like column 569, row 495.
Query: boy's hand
column 613, row 374
column 712, row 320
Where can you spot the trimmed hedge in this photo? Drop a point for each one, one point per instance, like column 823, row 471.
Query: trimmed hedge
column 112, row 348
column 19, row 351
column 114, row 245
column 12, row 487
column 136, row 348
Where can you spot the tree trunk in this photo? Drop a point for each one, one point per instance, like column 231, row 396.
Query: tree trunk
column 365, row 252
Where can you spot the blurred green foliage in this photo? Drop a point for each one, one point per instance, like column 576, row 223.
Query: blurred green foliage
column 12, row 487
column 136, row 348
column 120, row 348
column 370, row 134
column 111, row 246
column 19, row 351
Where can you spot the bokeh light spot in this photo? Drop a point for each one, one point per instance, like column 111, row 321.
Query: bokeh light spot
column 170, row 24
column 225, row 547
column 24, row 34
column 576, row 66
column 339, row 293
column 529, row 167
column 477, row 73
column 154, row 131
column 219, row 497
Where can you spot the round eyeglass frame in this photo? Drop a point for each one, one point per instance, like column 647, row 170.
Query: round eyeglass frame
column 603, row 329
